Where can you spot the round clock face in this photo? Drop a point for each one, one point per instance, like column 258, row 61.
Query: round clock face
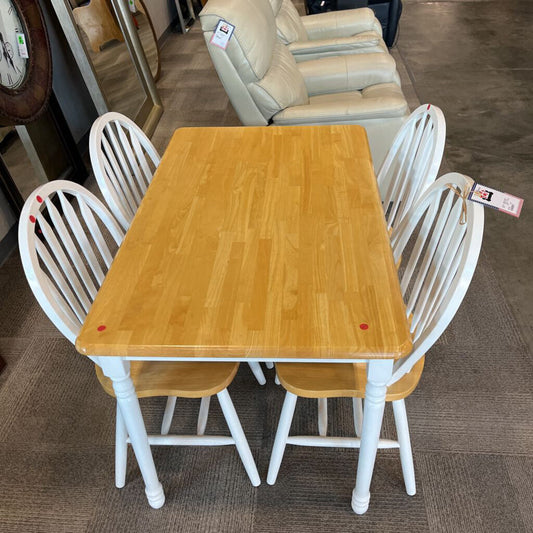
column 14, row 51
column 25, row 62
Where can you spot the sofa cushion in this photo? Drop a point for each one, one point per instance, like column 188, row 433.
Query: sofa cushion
column 366, row 42
column 347, row 72
column 344, row 23
column 381, row 101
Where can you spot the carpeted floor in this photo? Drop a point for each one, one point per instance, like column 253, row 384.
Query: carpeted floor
column 471, row 417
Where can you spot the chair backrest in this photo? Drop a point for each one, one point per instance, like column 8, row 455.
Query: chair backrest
column 64, row 240
column 124, row 161
column 438, row 241
column 258, row 72
column 289, row 25
column 412, row 162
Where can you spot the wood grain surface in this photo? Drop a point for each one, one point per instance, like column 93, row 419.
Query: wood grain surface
column 255, row 242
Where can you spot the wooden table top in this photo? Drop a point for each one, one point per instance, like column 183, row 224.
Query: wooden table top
column 255, row 242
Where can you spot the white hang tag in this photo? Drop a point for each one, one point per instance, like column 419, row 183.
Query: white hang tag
column 497, row 200
column 222, row 34
column 131, row 4
column 23, row 49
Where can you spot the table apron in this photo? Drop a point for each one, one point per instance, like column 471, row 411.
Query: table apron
column 219, row 359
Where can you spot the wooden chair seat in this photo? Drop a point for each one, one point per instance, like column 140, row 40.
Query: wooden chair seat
column 340, row 380
column 185, row 380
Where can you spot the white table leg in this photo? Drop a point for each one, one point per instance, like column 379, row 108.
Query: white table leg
column 119, row 371
column 378, row 373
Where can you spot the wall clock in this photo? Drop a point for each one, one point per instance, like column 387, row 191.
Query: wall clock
column 25, row 62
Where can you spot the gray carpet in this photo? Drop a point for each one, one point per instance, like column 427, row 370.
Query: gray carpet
column 471, row 417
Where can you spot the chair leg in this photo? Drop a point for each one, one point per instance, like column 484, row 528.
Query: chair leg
column 406, row 454
column 269, row 365
column 276, row 380
column 238, row 436
column 121, row 450
column 168, row 414
column 322, row 416
column 255, row 367
column 358, row 415
column 203, row 414
column 282, row 434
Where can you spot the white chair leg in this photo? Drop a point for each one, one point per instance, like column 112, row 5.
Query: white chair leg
column 322, row 416
column 203, row 414
column 269, row 365
column 121, row 451
column 358, row 415
column 238, row 436
column 406, row 454
column 276, row 380
column 168, row 414
column 255, row 367
column 282, row 434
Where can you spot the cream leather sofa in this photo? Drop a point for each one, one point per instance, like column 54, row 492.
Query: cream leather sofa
column 352, row 31
column 266, row 85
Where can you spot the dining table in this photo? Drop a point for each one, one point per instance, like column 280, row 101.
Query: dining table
column 255, row 244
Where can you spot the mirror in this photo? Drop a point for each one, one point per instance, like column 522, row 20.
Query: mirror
column 148, row 38
column 35, row 153
column 18, row 162
column 117, row 53
column 101, row 32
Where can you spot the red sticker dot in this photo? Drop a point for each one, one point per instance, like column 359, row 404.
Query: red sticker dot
column 429, row 105
column 363, row 326
column 32, row 219
column 39, row 199
column 100, row 328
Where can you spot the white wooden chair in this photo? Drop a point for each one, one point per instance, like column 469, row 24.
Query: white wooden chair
column 65, row 258
column 434, row 279
column 124, row 161
column 412, row 162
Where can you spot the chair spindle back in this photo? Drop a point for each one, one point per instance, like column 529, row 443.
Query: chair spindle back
column 444, row 232
column 412, row 162
column 65, row 234
column 124, row 161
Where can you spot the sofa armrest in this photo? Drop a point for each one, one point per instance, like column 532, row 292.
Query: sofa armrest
column 348, row 73
column 341, row 23
column 366, row 42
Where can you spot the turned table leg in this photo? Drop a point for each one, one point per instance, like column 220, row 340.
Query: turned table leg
column 119, row 371
column 378, row 373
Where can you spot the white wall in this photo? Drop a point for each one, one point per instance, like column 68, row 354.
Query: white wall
column 162, row 13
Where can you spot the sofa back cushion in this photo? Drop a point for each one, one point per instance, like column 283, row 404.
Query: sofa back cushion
column 288, row 22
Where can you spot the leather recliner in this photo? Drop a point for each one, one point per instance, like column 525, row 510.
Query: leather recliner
column 266, row 85
column 330, row 34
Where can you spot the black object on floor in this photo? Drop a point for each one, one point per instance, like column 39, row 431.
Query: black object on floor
column 388, row 13
column 319, row 6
